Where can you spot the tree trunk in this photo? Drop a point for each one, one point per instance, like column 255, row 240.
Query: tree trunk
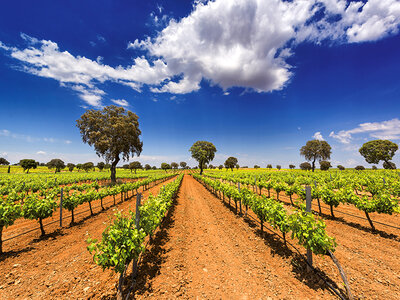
column 332, row 212
column 119, row 289
column 90, row 206
column 313, row 165
column 291, row 201
column 113, row 170
column 72, row 218
column 41, row 226
column 370, row 221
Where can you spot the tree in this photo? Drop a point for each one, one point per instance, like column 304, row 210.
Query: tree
column 174, row 165
column 316, row 150
column 324, row 165
column 374, row 168
column 107, row 166
column 147, row 167
column 165, row 166
column 88, row 166
column 231, row 162
column 340, row 167
column 237, row 166
column 57, row 164
column 378, row 150
column 269, row 166
column 203, row 152
column 183, row 164
column 256, row 167
column 101, row 165
column 154, row 167
column 278, row 167
column 305, row 166
column 70, row 166
column 360, row 168
column 79, row 166
column 113, row 132
column 27, row 164
column 125, row 167
column 220, row 167
column 292, row 166
column 389, row 165
column 135, row 165
column 4, row 161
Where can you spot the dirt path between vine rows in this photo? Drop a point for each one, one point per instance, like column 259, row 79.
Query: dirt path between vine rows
column 59, row 265
column 204, row 251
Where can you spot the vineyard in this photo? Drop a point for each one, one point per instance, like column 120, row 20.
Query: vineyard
column 162, row 234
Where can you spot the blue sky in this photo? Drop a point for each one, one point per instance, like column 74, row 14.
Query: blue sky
column 257, row 78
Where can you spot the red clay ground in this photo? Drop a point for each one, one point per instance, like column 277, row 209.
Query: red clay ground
column 205, row 251
column 59, row 266
column 202, row 250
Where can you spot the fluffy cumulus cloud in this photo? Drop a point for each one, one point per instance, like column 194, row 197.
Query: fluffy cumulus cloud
column 229, row 43
column 120, row 102
column 387, row 130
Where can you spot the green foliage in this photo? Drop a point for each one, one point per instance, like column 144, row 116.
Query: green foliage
column 310, row 232
column 278, row 167
column 231, row 162
column 28, row 164
column 113, row 132
column 165, row 166
column 305, row 166
column 70, row 167
column 292, row 167
column 135, row 165
column 183, row 164
column 88, row 166
column 378, row 150
column 340, row 167
column 389, row 165
column 359, row 168
column 4, row 161
column 316, row 150
column 35, row 208
column 121, row 243
column 203, row 152
column 57, row 164
column 147, row 167
column 324, row 165
column 174, row 165
column 9, row 211
column 269, row 166
column 101, row 165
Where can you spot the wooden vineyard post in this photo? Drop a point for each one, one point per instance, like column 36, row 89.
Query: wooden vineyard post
column 137, row 225
column 61, row 200
column 308, row 209
column 240, row 199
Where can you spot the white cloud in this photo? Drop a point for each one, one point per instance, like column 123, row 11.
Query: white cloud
column 41, row 153
column 386, row 130
column 318, row 136
column 120, row 102
column 241, row 43
column 4, row 132
column 68, row 142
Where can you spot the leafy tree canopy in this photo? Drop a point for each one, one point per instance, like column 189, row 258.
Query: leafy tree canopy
column 378, row 150
column 305, row 166
column 101, row 165
column 27, row 164
column 70, row 166
column 183, row 164
column 203, row 152
column 174, row 165
column 231, row 162
column 165, row 166
column 113, row 132
column 324, row 165
column 135, row 165
column 56, row 163
column 316, row 150
column 4, row 161
column 88, row 166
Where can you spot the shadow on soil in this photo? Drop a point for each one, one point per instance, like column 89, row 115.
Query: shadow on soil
column 13, row 254
column 278, row 247
column 49, row 236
